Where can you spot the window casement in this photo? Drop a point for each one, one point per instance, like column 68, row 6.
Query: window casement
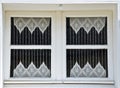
column 84, row 51
column 87, row 46
column 31, row 46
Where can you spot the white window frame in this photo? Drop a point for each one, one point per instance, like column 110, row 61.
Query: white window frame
column 58, row 48
column 107, row 14
column 8, row 46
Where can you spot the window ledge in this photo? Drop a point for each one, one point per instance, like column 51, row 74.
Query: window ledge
column 103, row 82
column 48, row 81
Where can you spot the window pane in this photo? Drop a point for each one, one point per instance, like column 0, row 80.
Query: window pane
column 86, row 30
column 30, row 31
column 30, row 63
column 87, row 63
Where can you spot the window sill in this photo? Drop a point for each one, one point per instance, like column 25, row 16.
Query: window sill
column 30, row 81
column 103, row 82
column 50, row 81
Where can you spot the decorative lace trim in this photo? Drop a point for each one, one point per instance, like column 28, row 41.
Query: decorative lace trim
column 31, row 23
column 87, row 23
column 31, row 71
column 87, row 71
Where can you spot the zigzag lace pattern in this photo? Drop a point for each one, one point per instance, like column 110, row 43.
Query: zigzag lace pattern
column 31, row 71
column 87, row 23
column 88, row 71
column 31, row 23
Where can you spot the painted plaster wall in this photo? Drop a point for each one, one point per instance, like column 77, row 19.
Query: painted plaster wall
column 57, row 1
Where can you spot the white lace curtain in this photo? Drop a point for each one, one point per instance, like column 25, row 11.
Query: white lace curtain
column 31, row 23
column 31, row 71
column 87, row 23
column 87, row 71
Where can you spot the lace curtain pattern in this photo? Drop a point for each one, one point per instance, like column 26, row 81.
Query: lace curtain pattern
column 30, row 31
column 87, row 23
column 31, row 23
column 87, row 71
column 86, row 30
column 30, row 63
column 31, row 71
column 87, row 63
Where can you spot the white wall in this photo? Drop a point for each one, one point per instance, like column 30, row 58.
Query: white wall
column 57, row 1
column 118, row 50
column 1, row 48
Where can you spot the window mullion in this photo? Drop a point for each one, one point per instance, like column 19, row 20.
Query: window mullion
column 59, row 57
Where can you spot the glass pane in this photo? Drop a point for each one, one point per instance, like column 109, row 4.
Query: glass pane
column 87, row 63
column 86, row 30
column 30, row 63
column 30, row 31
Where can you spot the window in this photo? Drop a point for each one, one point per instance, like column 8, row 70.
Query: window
column 84, row 49
column 87, row 46
column 31, row 43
